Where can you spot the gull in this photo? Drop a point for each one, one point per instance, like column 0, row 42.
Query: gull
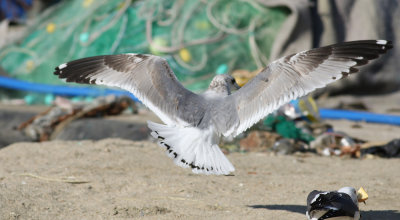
column 340, row 205
column 194, row 123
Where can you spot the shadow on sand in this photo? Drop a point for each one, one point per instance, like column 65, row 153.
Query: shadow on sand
column 291, row 208
column 366, row 215
column 380, row 214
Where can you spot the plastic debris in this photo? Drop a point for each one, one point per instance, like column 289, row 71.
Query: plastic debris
column 284, row 146
column 389, row 150
column 335, row 143
column 304, row 107
column 287, row 128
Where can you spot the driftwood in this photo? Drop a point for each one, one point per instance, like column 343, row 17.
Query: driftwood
column 46, row 125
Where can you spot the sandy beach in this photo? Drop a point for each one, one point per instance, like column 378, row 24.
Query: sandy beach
column 115, row 178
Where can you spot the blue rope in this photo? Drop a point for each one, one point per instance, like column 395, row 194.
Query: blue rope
column 359, row 116
column 59, row 89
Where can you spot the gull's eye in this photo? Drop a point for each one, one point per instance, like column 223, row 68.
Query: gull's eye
column 233, row 81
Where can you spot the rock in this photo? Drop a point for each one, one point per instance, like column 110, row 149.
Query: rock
column 100, row 128
column 9, row 122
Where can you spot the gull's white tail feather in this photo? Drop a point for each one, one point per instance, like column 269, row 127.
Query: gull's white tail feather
column 192, row 147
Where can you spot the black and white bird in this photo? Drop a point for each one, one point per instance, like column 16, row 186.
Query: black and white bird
column 338, row 205
column 194, row 122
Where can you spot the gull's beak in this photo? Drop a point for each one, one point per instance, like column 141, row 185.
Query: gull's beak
column 236, row 85
column 240, row 81
column 362, row 195
column 244, row 76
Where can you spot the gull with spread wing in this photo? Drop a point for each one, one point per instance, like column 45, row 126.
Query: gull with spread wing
column 195, row 122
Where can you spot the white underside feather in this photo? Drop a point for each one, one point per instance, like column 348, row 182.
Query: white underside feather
column 194, row 148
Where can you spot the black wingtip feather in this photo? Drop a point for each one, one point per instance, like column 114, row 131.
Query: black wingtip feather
column 78, row 70
column 389, row 44
column 353, row 70
column 360, row 62
column 360, row 51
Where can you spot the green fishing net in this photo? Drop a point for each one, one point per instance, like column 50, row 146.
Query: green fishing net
column 198, row 38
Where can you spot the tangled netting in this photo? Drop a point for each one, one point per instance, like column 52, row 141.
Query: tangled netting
column 198, row 38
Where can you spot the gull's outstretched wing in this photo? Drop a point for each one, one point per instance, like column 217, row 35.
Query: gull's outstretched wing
column 148, row 77
column 296, row 75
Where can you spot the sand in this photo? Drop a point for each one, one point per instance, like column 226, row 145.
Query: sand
column 115, row 178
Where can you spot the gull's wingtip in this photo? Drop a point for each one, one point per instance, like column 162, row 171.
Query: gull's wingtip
column 387, row 43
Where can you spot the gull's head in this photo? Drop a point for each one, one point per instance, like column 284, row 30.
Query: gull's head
column 223, row 83
column 351, row 192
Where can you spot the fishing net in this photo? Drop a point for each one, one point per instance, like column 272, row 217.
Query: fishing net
column 198, row 38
